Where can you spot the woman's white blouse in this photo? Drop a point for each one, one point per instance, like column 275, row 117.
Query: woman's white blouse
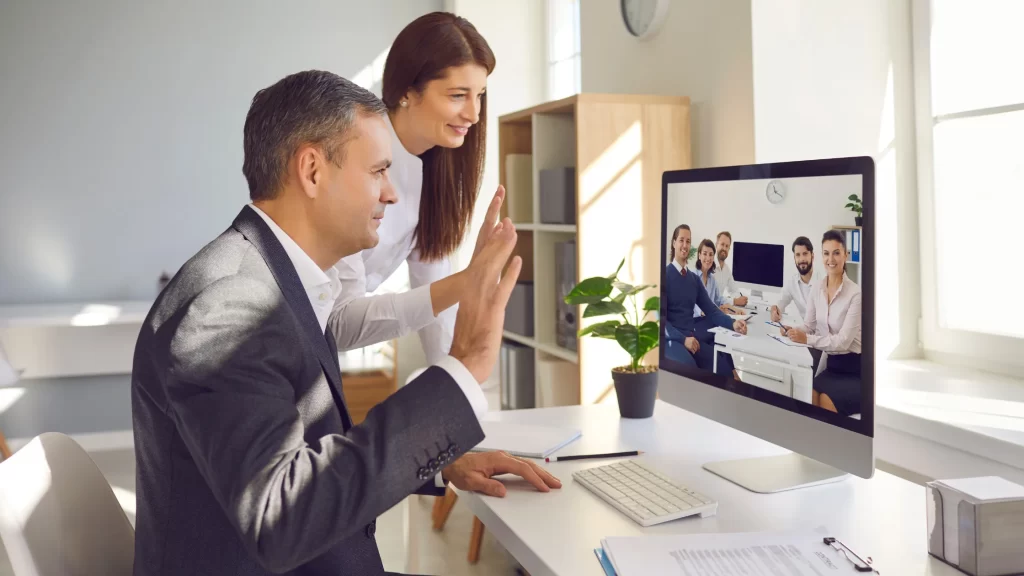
column 358, row 320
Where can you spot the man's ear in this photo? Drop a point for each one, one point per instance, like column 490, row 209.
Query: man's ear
column 309, row 165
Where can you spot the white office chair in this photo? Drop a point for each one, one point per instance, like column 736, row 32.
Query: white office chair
column 58, row 514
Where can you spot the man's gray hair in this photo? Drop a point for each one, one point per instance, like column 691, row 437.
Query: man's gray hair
column 312, row 107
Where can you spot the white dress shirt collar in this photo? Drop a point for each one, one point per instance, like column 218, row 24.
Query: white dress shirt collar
column 322, row 288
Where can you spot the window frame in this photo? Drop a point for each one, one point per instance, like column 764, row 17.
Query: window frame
column 575, row 57
column 989, row 352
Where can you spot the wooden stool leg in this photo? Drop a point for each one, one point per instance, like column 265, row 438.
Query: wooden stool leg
column 443, row 508
column 475, row 541
column 5, row 452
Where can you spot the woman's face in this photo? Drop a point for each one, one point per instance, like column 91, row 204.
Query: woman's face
column 834, row 255
column 446, row 109
column 707, row 257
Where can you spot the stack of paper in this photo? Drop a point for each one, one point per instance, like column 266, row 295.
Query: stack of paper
column 741, row 554
column 524, row 440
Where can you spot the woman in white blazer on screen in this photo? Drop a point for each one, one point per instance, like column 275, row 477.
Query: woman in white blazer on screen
column 434, row 86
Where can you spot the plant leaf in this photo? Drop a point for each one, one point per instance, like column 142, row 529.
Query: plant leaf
column 693, row 252
column 604, row 329
column 617, row 270
column 853, row 197
column 851, row 205
column 638, row 289
column 620, row 297
column 622, row 287
column 628, row 337
column 603, row 309
column 653, row 303
column 589, row 291
column 648, row 337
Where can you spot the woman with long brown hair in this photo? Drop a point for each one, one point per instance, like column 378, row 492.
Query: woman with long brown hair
column 434, row 86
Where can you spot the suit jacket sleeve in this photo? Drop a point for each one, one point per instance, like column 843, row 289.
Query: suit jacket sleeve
column 231, row 397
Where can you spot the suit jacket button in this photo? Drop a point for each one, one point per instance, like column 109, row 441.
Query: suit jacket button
column 453, row 449
column 442, row 458
column 423, row 474
column 371, row 529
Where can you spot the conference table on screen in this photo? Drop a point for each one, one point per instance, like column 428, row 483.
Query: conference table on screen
column 779, row 366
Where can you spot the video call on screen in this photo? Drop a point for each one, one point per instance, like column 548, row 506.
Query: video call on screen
column 762, row 285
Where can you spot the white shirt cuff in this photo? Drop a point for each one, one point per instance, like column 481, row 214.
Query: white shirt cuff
column 414, row 309
column 470, row 387
column 438, row 481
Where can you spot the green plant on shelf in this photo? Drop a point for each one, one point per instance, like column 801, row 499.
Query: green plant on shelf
column 634, row 332
column 855, row 205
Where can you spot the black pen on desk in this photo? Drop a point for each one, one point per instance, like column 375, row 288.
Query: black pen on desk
column 591, row 456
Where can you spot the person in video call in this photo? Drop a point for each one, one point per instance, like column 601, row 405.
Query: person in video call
column 683, row 290
column 705, row 267
column 801, row 283
column 726, row 284
column 832, row 324
column 705, row 270
column 248, row 460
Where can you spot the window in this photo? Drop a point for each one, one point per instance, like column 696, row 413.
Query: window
column 970, row 123
column 563, row 48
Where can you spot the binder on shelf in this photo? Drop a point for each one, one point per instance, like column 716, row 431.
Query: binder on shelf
column 855, row 244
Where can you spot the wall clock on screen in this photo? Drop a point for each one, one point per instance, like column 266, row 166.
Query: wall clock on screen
column 774, row 192
column 643, row 18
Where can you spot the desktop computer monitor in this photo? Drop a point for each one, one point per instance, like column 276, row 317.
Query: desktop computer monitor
column 789, row 359
column 758, row 266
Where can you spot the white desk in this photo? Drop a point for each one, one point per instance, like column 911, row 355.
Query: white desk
column 556, row 533
column 761, row 357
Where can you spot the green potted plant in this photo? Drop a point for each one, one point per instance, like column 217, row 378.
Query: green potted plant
column 636, row 385
column 857, row 207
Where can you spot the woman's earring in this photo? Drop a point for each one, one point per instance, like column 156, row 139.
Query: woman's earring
column 404, row 103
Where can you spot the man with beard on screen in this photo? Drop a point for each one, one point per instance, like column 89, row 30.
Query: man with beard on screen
column 800, row 283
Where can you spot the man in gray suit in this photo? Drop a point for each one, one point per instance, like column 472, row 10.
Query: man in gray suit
column 248, row 461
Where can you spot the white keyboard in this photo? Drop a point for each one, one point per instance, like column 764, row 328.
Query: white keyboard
column 644, row 494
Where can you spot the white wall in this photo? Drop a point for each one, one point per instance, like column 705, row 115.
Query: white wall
column 121, row 126
column 834, row 79
column 812, row 206
column 121, row 147
column 703, row 51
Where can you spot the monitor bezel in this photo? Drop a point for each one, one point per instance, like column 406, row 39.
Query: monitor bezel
column 860, row 165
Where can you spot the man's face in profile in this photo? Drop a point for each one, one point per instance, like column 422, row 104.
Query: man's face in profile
column 355, row 194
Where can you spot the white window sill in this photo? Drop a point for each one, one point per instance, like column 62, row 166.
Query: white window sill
column 940, row 422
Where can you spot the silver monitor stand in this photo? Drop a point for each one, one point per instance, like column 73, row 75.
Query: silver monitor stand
column 771, row 474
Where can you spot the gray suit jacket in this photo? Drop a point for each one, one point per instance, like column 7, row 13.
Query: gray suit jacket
column 247, row 459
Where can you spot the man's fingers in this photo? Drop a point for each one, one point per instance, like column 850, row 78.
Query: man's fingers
column 521, row 469
column 546, row 476
column 490, row 487
column 493, row 211
column 508, row 282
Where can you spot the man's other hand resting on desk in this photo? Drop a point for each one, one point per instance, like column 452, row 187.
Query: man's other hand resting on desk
column 474, row 472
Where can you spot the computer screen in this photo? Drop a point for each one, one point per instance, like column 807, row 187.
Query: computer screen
column 765, row 289
column 758, row 264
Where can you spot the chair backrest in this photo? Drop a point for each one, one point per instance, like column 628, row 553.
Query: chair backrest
column 58, row 514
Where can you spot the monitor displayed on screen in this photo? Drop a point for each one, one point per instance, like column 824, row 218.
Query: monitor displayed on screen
column 767, row 303
column 758, row 264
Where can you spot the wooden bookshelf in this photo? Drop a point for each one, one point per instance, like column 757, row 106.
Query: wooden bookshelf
column 619, row 145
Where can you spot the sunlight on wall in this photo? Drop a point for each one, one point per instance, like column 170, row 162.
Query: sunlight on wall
column 610, row 188
column 887, row 262
column 370, row 76
column 96, row 315
column 9, row 396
